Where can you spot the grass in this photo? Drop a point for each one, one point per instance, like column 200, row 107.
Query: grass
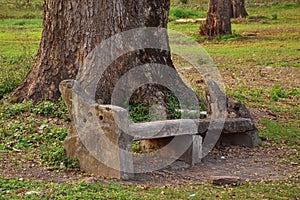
column 25, row 127
column 228, row 37
column 281, row 132
column 277, row 37
column 245, row 94
column 19, row 40
column 261, row 71
column 19, row 36
column 21, row 9
column 81, row 190
column 243, row 59
column 140, row 112
column 178, row 13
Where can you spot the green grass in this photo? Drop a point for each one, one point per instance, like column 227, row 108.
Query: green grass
column 15, row 189
column 275, row 41
column 19, row 41
column 281, row 132
column 178, row 13
column 13, row 70
column 21, row 23
column 245, row 94
column 140, row 112
column 21, row 9
column 26, row 127
column 19, row 36
column 228, row 37
column 198, row 5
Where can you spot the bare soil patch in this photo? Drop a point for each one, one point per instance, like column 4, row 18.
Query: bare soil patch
column 260, row 163
column 255, row 164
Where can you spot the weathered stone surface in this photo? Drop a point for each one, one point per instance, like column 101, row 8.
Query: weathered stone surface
column 101, row 136
column 248, row 139
column 239, row 109
column 87, row 162
column 167, row 128
column 100, row 153
column 216, row 101
column 239, row 127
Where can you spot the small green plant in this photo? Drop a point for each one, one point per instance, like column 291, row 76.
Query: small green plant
column 18, row 135
column 277, row 93
column 173, row 106
column 55, row 157
column 139, row 112
column 45, row 108
column 136, row 147
column 264, row 21
column 51, row 149
column 274, row 16
column 48, row 108
column 228, row 37
column 8, row 110
column 295, row 92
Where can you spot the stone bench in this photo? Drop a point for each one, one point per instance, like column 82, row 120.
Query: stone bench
column 101, row 136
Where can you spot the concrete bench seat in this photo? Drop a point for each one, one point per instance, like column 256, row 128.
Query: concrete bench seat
column 168, row 128
column 101, row 136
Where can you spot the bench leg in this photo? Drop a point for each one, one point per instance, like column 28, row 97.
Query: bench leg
column 126, row 158
column 193, row 154
column 196, row 149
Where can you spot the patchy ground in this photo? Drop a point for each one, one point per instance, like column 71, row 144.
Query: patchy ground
column 267, row 162
column 250, row 66
column 248, row 164
column 260, row 163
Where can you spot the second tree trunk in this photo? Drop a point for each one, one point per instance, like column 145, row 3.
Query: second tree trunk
column 218, row 18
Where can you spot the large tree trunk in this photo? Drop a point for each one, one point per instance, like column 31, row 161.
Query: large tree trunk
column 238, row 9
column 218, row 19
column 73, row 28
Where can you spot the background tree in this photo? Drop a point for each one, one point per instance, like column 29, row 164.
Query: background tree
column 72, row 29
column 219, row 14
column 218, row 18
column 238, row 9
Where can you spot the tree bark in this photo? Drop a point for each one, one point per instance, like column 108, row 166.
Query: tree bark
column 238, row 9
column 218, row 19
column 72, row 29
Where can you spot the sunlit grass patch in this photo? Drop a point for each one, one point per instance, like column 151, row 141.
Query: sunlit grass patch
column 31, row 128
column 178, row 13
column 21, row 23
column 19, row 36
column 16, row 189
column 280, row 132
column 13, row 70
